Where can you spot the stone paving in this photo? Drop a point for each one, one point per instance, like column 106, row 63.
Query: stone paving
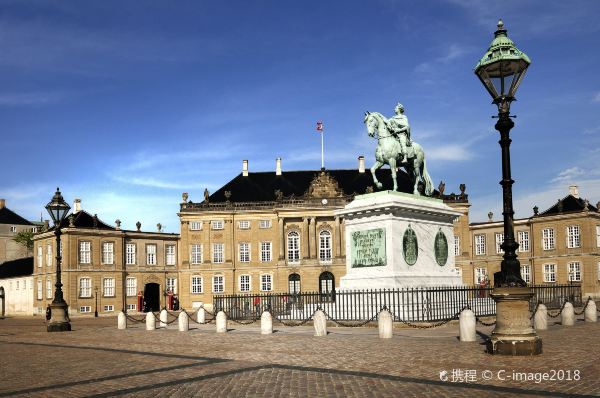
column 97, row 360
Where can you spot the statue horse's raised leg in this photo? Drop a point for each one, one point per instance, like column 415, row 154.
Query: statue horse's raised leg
column 375, row 167
column 392, row 163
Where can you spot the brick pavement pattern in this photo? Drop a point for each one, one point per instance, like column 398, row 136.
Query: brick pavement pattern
column 97, row 360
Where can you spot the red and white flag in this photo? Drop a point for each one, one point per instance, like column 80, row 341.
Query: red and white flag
column 320, row 127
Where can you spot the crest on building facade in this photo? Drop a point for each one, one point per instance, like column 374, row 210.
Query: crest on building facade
column 410, row 246
column 441, row 248
column 324, row 186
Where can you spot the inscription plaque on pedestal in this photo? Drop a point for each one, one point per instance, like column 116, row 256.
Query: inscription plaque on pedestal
column 368, row 248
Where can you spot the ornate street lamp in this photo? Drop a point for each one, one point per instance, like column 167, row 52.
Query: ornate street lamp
column 59, row 321
column 96, row 297
column 501, row 70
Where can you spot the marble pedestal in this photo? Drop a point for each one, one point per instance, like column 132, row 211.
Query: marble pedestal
column 396, row 240
column 58, row 321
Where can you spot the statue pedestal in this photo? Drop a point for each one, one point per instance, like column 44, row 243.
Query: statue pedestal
column 396, row 240
column 59, row 321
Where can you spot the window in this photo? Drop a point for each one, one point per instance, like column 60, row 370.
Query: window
column 244, row 283
column 218, row 252
column 244, row 252
column 49, row 255
column 523, row 238
column 108, row 252
column 597, row 235
column 499, row 241
column 294, row 283
column 293, row 242
column 574, row 269
column 109, row 308
column 548, row 238
column 458, row 271
column 13, row 229
column 196, row 253
column 325, row 246
column 172, row 285
column 85, row 308
column 480, row 275
column 216, row 224
column 549, row 272
column 195, row 225
column 39, row 290
column 196, row 284
column 85, row 287
column 218, row 284
column 327, row 286
column 131, row 286
column 456, row 245
column 130, row 253
column 265, row 224
column 131, row 307
column 40, row 255
column 85, row 250
column 108, row 287
column 150, row 254
column 266, row 282
column 48, row 288
column 265, row 251
column 34, row 230
column 599, row 270
column 170, row 254
column 526, row 273
column 479, row 245
column 244, row 224
column 573, row 236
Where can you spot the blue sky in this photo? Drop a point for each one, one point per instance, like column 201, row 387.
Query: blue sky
column 127, row 104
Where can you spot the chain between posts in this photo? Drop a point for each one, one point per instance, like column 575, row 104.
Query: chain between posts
column 584, row 307
column 559, row 311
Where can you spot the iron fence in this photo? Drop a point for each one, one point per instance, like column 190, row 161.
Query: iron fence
column 419, row 304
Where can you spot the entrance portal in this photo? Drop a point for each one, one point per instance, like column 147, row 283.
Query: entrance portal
column 151, row 297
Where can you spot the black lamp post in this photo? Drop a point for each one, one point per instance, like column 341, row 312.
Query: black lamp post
column 96, row 297
column 501, row 71
column 59, row 321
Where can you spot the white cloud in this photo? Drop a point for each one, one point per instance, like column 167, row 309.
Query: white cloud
column 24, row 99
column 596, row 97
column 451, row 53
column 569, row 174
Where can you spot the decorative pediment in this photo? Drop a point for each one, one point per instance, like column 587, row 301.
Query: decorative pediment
column 323, row 186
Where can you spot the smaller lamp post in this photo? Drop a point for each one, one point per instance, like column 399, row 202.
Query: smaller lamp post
column 59, row 320
column 96, row 297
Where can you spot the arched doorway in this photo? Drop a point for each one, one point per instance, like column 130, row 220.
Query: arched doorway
column 3, row 300
column 151, row 297
column 327, row 286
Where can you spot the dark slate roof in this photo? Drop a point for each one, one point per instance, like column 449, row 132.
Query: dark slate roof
column 261, row 186
column 15, row 268
column 568, row 204
column 8, row 216
column 83, row 219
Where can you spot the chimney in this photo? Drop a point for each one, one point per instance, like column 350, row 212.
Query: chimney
column 573, row 191
column 2, row 203
column 361, row 164
column 77, row 205
column 278, row 166
column 245, row 168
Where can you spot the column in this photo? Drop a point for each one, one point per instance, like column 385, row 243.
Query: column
column 314, row 238
column 337, row 238
column 305, row 245
column 281, row 238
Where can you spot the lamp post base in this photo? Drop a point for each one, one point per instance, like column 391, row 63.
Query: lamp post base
column 59, row 321
column 513, row 334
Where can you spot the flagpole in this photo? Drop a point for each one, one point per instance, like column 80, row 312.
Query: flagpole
column 320, row 130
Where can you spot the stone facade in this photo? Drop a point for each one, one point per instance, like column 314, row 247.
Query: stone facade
column 10, row 225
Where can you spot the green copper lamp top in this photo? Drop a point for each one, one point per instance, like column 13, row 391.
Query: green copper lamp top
column 502, row 49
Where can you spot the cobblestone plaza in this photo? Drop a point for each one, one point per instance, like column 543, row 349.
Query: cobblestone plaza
column 96, row 359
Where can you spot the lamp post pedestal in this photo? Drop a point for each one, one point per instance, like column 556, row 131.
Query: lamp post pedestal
column 59, row 321
column 513, row 334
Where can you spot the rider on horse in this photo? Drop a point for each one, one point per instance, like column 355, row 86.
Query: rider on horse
column 398, row 126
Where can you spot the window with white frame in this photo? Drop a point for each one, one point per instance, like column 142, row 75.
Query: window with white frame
column 573, row 238
column 265, row 251
column 13, row 229
column 325, row 246
column 130, row 253
column 196, row 253
column 548, row 238
column 244, row 224
column 172, row 285
column 131, row 307
column 108, row 287
column 85, row 309
column 170, row 254
column 523, row 238
column 218, row 284
column 48, row 288
column 109, row 308
column 108, row 252
column 49, row 254
column 40, row 255
column 574, row 271
column 217, row 224
column 244, row 249
column 195, row 225
column 34, row 230
column 479, row 245
column 150, row 254
column 526, row 273
column 131, row 286
column 549, row 273
column 39, row 290
column 266, row 282
column 217, row 252
column 499, row 241
column 480, row 275
column 456, row 245
column 265, row 224
column 293, row 247
column 244, row 283
column 85, row 287
column 85, row 252
column 196, row 284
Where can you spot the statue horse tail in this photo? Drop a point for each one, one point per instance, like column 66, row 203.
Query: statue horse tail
column 427, row 180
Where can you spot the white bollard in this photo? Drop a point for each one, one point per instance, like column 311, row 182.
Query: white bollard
column 320, row 323
column 266, row 323
column 184, row 322
column 201, row 315
column 590, row 314
column 122, row 321
column 568, row 315
column 164, row 318
column 385, row 324
column 466, row 323
column 150, row 321
column 540, row 319
column 221, row 322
